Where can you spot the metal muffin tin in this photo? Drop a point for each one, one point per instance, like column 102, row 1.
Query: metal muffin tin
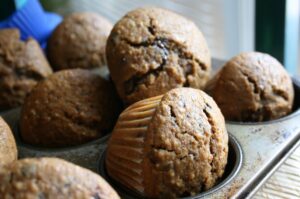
column 235, row 158
column 256, row 151
column 85, row 155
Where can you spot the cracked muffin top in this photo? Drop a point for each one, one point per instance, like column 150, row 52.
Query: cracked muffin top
column 8, row 148
column 79, row 42
column 52, row 178
column 151, row 51
column 22, row 65
column 175, row 145
column 70, row 107
column 252, row 87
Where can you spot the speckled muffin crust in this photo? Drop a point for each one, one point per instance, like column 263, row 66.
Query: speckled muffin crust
column 152, row 50
column 51, row 178
column 22, row 65
column 175, row 145
column 252, row 87
column 8, row 148
column 79, row 42
column 70, row 107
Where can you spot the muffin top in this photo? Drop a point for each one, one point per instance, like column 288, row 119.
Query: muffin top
column 8, row 148
column 152, row 50
column 68, row 108
column 22, row 65
column 175, row 145
column 252, row 86
column 52, row 178
column 79, row 42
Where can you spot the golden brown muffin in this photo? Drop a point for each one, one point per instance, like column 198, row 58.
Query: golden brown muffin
column 252, row 87
column 8, row 148
column 51, row 178
column 169, row 146
column 70, row 107
column 151, row 51
column 22, row 65
column 79, row 42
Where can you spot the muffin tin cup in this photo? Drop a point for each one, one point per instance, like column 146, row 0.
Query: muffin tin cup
column 262, row 147
column 85, row 155
column 235, row 158
column 265, row 145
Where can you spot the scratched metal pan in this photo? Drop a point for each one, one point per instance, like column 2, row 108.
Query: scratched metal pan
column 235, row 158
column 85, row 155
column 256, row 150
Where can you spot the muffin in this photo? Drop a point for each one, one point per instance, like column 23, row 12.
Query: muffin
column 22, row 65
column 252, row 87
column 8, row 148
column 151, row 51
column 79, row 42
column 169, row 146
column 51, row 178
column 70, row 107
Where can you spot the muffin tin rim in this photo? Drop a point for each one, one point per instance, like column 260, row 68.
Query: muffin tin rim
column 20, row 142
column 289, row 116
column 101, row 170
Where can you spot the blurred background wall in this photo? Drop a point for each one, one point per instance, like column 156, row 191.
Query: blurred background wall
column 227, row 25
column 230, row 26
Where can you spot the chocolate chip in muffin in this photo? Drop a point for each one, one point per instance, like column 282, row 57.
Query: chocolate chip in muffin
column 151, row 51
column 70, row 107
column 252, row 87
column 22, row 65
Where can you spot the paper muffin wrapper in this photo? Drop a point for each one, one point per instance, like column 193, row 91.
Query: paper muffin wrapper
column 125, row 152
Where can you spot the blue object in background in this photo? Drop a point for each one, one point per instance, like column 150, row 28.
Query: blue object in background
column 20, row 3
column 32, row 21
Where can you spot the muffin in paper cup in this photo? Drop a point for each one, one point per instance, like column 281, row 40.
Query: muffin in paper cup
column 169, row 146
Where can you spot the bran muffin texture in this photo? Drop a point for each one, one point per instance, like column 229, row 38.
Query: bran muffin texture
column 252, row 87
column 71, row 107
column 79, row 42
column 22, row 65
column 174, row 144
column 51, row 178
column 8, row 148
column 152, row 50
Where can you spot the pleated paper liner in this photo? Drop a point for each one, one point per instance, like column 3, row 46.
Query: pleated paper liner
column 235, row 160
column 125, row 152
